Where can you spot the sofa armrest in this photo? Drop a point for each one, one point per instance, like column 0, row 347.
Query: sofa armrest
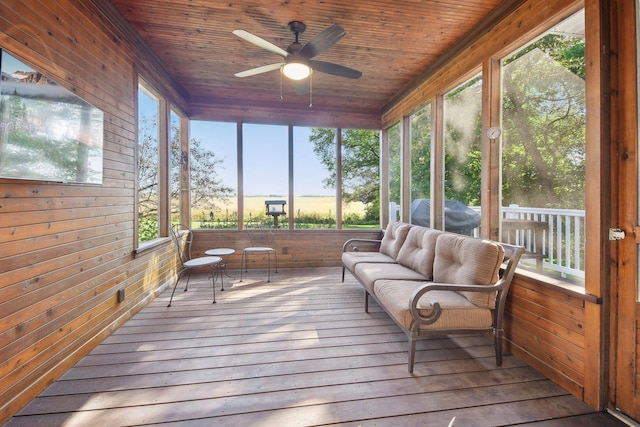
column 351, row 243
column 512, row 256
column 419, row 292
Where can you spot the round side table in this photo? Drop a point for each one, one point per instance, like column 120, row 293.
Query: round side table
column 223, row 253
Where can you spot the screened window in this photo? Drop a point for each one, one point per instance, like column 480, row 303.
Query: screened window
column 265, row 150
column 175, row 167
column 395, row 153
column 421, row 166
column 360, row 160
column 314, row 177
column 463, row 156
column 213, row 174
column 148, row 165
column 544, row 150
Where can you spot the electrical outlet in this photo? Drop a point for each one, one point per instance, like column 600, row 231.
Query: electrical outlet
column 120, row 294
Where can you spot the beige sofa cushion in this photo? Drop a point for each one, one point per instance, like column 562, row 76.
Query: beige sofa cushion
column 350, row 259
column 368, row 273
column 393, row 238
column 468, row 261
column 457, row 311
column 419, row 249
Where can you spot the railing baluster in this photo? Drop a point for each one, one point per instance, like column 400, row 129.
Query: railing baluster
column 561, row 240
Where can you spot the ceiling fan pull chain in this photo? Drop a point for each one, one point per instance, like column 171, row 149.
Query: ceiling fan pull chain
column 281, row 97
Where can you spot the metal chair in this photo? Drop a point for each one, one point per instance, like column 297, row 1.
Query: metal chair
column 261, row 238
column 182, row 235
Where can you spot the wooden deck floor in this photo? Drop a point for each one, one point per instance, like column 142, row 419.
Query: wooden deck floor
column 298, row 351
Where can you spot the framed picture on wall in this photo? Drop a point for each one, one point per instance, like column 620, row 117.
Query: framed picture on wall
column 47, row 132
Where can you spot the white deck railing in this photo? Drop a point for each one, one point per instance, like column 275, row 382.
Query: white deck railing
column 562, row 239
column 554, row 238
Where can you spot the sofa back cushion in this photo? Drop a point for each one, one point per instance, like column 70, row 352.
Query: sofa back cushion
column 419, row 250
column 468, row 261
column 393, row 238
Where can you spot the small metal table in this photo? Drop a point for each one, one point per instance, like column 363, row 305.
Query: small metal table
column 223, row 253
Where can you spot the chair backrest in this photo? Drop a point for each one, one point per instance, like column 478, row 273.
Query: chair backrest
column 182, row 238
column 261, row 235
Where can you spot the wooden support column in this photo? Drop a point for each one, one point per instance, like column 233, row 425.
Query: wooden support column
column 405, row 170
column 164, row 204
column 437, row 163
column 599, row 200
column 291, row 208
column 491, row 196
column 338, row 178
column 240, row 176
column 185, row 180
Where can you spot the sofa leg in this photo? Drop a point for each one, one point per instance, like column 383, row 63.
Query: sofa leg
column 412, row 354
column 498, row 345
column 366, row 301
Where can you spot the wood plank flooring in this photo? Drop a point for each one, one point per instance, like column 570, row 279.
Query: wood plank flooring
column 298, row 351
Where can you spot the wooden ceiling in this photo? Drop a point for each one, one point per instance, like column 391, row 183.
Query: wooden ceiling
column 392, row 43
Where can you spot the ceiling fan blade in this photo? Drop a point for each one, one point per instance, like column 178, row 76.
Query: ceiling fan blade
column 301, row 86
column 260, row 42
column 334, row 69
column 323, row 41
column 259, row 70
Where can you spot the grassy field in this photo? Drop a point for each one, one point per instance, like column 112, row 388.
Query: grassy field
column 324, row 206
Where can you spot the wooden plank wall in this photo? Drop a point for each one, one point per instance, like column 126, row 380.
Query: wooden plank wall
column 66, row 249
column 544, row 326
column 296, row 248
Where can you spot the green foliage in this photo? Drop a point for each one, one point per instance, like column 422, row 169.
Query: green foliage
column 314, row 220
column 206, row 189
column 395, row 163
column 147, row 228
column 463, row 143
column 360, row 164
column 209, row 220
column 543, row 137
column 544, row 124
column 421, row 154
column 567, row 51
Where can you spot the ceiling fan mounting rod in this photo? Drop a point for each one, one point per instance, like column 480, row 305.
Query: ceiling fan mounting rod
column 297, row 28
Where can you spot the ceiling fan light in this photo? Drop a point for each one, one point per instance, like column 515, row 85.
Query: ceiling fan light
column 296, row 70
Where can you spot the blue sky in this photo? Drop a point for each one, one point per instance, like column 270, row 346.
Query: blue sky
column 11, row 65
column 265, row 158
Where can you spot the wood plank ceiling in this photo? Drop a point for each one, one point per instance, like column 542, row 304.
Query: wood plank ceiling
column 392, row 43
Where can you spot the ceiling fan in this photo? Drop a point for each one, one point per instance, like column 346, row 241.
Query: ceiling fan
column 297, row 63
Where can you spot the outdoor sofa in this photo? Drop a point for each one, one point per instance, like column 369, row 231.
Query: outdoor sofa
column 432, row 282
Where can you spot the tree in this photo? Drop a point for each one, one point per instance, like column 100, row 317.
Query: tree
column 360, row 164
column 206, row 187
column 463, row 143
column 421, row 154
column 544, row 123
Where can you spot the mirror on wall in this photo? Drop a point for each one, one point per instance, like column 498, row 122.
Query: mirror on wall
column 47, row 132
